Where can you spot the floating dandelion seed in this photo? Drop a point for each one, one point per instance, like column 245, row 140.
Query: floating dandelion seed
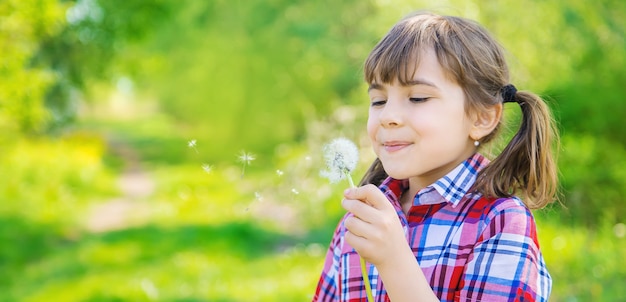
column 245, row 159
column 294, row 191
column 192, row 144
column 341, row 156
column 258, row 196
column 207, row 168
column 280, row 172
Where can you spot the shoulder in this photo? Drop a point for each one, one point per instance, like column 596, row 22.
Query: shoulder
column 492, row 216
column 508, row 215
column 509, row 207
column 490, row 208
column 486, row 209
column 506, row 261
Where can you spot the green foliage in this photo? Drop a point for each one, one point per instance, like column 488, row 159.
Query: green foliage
column 278, row 79
column 585, row 264
column 96, row 38
column 593, row 180
column 62, row 171
column 52, row 49
column 26, row 241
column 191, row 262
column 43, row 192
column 259, row 74
column 23, row 87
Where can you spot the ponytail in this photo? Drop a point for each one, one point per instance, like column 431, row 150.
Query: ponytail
column 527, row 165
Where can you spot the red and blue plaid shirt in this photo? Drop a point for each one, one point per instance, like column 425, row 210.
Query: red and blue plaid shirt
column 470, row 248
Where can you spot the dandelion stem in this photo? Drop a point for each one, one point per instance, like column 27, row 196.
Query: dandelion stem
column 349, row 177
column 366, row 278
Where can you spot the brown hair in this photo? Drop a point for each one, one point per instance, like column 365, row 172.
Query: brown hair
column 471, row 57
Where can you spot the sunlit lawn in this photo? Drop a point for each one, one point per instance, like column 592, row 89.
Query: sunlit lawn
column 216, row 236
column 190, row 241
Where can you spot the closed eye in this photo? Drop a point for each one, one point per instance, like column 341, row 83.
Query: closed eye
column 418, row 100
column 379, row 103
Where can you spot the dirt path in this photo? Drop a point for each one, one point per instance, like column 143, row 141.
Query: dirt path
column 134, row 184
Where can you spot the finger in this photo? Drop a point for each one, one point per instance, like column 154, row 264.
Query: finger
column 358, row 227
column 369, row 194
column 359, row 243
column 360, row 209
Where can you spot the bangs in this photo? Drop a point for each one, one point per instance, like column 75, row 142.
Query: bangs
column 397, row 55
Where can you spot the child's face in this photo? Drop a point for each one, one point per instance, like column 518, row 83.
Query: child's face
column 420, row 132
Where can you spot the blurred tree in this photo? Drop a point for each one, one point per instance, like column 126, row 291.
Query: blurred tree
column 52, row 48
column 23, row 24
column 98, row 33
column 252, row 73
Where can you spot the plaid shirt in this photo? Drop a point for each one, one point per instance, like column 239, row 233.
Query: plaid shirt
column 470, row 248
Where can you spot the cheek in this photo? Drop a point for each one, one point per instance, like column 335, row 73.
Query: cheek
column 372, row 129
column 372, row 126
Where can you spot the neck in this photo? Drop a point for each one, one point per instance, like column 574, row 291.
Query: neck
column 406, row 200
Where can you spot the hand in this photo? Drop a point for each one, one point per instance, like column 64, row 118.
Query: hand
column 374, row 230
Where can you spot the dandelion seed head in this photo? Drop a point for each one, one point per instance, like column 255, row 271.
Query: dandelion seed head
column 341, row 156
column 332, row 176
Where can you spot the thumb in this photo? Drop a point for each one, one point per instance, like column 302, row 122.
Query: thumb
column 369, row 194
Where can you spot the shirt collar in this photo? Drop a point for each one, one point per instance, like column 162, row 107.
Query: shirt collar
column 450, row 188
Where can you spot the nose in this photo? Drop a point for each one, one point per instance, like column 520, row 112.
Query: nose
column 392, row 114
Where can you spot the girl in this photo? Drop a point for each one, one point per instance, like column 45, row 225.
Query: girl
column 433, row 218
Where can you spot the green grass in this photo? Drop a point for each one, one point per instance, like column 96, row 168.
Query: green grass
column 197, row 237
column 585, row 264
column 230, row 262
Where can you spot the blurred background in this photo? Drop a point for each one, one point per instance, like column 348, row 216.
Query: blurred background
column 170, row 150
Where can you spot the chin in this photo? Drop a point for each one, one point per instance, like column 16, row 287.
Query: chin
column 397, row 173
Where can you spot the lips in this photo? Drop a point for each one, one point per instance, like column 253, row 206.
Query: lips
column 394, row 146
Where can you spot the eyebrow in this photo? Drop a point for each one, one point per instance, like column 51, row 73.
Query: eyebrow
column 415, row 82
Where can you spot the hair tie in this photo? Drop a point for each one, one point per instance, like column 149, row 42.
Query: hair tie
column 508, row 93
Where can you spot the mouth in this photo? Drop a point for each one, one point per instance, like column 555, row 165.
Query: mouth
column 393, row 146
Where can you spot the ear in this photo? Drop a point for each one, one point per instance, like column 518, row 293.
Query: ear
column 485, row 121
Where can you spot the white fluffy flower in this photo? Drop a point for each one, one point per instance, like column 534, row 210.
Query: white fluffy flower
column 341, row 156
